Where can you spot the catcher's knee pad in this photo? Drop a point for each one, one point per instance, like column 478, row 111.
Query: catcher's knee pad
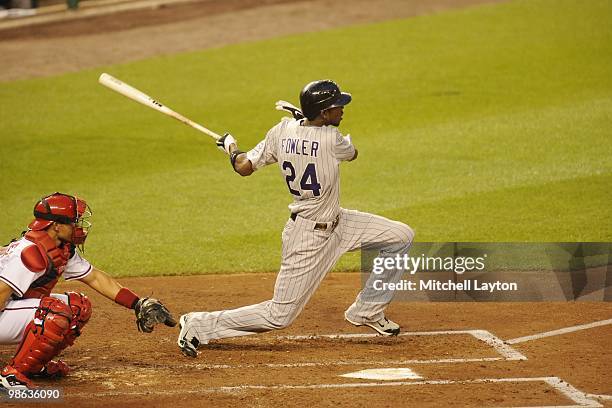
column 81, row 309
column 43, row 336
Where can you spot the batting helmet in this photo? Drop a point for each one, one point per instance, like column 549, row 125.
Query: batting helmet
column 64, row 209
column 320, row 95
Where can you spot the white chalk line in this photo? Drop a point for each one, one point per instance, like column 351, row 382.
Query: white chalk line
column 571, row 392
column 502, row 348
column 575, row 395
column 370, row 335
column 341, row 363
column 601, row 397
column 493, row 341
column 559, row 332
column 84, row 374
column 506, row 353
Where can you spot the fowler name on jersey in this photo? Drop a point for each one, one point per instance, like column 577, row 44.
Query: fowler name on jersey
column 300, row 147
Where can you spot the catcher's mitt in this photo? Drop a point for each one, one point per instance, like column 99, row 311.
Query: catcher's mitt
column 149, row 312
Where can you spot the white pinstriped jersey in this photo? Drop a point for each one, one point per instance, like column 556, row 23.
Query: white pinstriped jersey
column 309, row 158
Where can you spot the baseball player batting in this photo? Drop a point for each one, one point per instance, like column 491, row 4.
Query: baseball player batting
column 42, row 323
column 309, row 149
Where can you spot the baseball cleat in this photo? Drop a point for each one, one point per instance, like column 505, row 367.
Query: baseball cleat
column 189, row 347
column 11, row 379
column 383, row 326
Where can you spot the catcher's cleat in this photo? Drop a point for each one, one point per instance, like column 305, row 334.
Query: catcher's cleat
column 11, row 379
column 55, row 369
column 189, row 347
column 384, row 326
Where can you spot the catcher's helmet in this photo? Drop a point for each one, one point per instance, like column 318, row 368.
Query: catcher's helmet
column 320, row 95
column 64, row 209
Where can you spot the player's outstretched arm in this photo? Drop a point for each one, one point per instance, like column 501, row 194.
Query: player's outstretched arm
column 149, row 311
column 241, row 164
column 102, row 283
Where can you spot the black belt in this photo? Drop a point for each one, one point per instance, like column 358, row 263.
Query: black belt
column 320, row 225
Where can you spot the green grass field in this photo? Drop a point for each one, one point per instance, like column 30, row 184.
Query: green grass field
column 492, row 123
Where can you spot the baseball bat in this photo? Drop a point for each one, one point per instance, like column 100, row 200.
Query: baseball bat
column 126, row 90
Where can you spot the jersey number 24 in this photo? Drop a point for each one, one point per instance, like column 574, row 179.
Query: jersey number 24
column 307, row 182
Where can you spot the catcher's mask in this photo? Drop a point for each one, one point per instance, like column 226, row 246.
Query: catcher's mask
column 63, row 209
column 321, row 95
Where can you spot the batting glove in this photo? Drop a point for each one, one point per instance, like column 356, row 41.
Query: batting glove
column 286, row 106
column 224, row 143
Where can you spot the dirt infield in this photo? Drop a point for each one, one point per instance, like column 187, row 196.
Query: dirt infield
column 74, row 45
column 461, row 358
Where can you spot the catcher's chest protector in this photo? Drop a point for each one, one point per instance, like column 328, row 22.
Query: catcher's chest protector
column 44, row 255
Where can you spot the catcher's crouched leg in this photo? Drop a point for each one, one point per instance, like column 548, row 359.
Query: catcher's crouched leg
column 41, row 341
column 55, row 326
column 81, row 309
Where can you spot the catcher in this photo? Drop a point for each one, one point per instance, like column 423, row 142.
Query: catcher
column 45, row 323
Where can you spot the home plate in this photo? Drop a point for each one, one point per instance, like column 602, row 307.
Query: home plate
column 384, row 374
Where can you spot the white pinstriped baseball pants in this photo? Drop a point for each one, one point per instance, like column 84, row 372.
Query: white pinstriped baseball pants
column 307, row 256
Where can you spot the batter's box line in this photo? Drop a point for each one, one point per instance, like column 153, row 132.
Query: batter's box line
column 579, row 398
column 387, row 363
column 505, row 350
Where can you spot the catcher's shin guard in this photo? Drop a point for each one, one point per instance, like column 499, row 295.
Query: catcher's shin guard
column 43, row 336
column 81, row 309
